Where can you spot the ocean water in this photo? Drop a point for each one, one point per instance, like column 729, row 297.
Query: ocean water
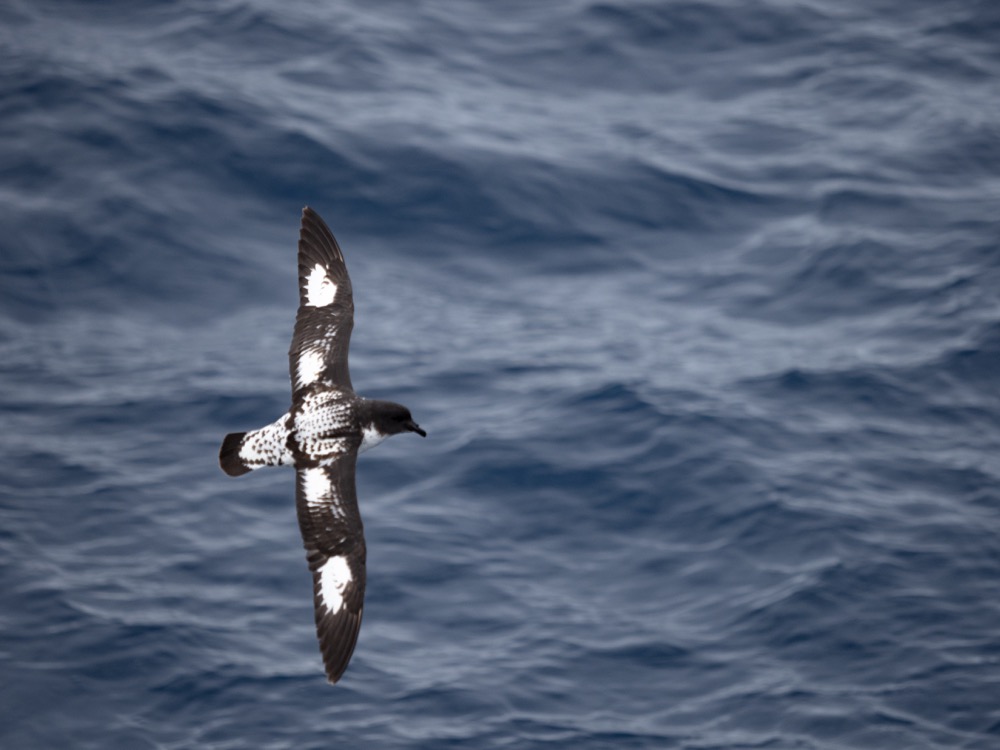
column 699, row 303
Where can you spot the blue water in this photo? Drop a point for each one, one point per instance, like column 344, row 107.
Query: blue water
column 698, row 301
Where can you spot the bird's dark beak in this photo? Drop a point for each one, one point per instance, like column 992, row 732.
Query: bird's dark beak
column 414, row 427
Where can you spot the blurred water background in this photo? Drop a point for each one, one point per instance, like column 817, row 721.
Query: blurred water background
column 698, row 301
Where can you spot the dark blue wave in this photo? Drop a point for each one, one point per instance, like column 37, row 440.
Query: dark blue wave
column 697, row 302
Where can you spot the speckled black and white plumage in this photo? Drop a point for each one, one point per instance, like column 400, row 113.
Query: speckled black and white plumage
column 321, row 436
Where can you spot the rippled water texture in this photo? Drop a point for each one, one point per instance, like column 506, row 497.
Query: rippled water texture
column 698, row 302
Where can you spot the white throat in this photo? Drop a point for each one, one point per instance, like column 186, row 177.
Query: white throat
column 370, row 437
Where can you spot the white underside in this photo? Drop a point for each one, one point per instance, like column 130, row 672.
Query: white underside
column 370, row 437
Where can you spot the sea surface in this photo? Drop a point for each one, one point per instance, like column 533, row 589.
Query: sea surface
column 699, row 303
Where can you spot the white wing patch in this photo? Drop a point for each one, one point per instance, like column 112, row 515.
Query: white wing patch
column 316, row 486
column 310, row 366
column 320, row 290
column 333, row 579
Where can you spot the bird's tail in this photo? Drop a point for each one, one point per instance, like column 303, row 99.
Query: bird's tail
column 229, row 455
column 245, row 451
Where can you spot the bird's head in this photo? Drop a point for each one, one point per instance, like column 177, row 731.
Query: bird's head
column 391, row 419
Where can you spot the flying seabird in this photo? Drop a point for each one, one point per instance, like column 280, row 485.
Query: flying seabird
column 321, row 435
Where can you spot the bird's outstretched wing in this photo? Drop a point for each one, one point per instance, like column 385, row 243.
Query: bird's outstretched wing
column 326, row 309
column 327, row 505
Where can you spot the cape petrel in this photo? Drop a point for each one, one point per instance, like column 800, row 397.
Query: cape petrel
column 321, row 435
